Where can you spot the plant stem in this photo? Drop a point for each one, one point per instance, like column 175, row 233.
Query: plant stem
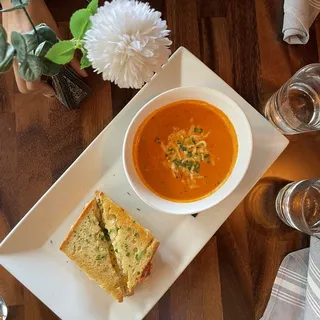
column 30, row 20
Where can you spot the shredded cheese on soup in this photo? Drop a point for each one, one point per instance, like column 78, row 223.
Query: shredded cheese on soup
column 185, row 152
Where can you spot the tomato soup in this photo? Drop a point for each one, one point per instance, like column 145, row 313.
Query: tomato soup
column 185, row 151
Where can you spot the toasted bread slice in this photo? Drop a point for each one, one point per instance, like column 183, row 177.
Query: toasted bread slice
column 88, row 247
column 134, row 246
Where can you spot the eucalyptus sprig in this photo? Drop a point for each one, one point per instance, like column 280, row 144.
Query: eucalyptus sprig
column 63, row 51
column 29, row 48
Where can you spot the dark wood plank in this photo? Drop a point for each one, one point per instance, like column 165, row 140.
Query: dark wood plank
column 215, row 47
column 97, row 109
column 8, row 163
column 120, row 97
column 7, row 86
column 235, row 272
column 196, row 294
column 183, row 23
column 211, row 8
column 242, row 26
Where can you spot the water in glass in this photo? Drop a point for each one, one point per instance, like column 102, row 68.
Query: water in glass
column 295, row 107
column 298, row 205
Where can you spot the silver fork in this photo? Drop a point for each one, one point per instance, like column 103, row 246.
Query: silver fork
column 3, row 309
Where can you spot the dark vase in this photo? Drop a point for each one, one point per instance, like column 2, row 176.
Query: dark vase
column 69, row 87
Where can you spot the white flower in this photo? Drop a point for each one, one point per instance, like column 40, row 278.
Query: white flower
column 127, row 42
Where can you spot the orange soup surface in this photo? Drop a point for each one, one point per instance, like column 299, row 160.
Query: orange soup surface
column 184, row 151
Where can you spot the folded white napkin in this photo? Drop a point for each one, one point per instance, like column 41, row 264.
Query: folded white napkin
column 298, row 17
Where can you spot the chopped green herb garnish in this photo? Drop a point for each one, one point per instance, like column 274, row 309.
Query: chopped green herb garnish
column 136, row 234
column 197, row 167
column 98, row 257
column 116, row 250
column 177, row 162
column 198, row 130
column 134, row 221
column 138, row 272
column 181, row 146
column 128, row 254
column 207, row 155
column 157, row 140
column 138, row 209
column 139, row 255
column 194, row 141
column 189, row 165
column 128, row 229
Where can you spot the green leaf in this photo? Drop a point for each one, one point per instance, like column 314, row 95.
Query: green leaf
column 31, row 68
column 50, row 68
column 46, row 33
column 6, row 63
column 93, row 6
column 3, row 43
column 20, row 45
column 16, row 4
column 62, row 52
column 43, row 48
column 31, row 41
column 84, row 62
column 80, row 23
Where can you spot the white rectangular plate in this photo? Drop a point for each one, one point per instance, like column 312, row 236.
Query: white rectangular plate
column 31, row 251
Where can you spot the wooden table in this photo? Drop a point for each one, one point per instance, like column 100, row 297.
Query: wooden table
column 232, row 276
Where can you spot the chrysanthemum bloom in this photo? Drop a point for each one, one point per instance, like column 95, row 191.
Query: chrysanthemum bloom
column 127, row 42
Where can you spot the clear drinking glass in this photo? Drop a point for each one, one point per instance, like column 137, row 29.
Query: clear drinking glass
column 295, row 107
column 298, row 205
